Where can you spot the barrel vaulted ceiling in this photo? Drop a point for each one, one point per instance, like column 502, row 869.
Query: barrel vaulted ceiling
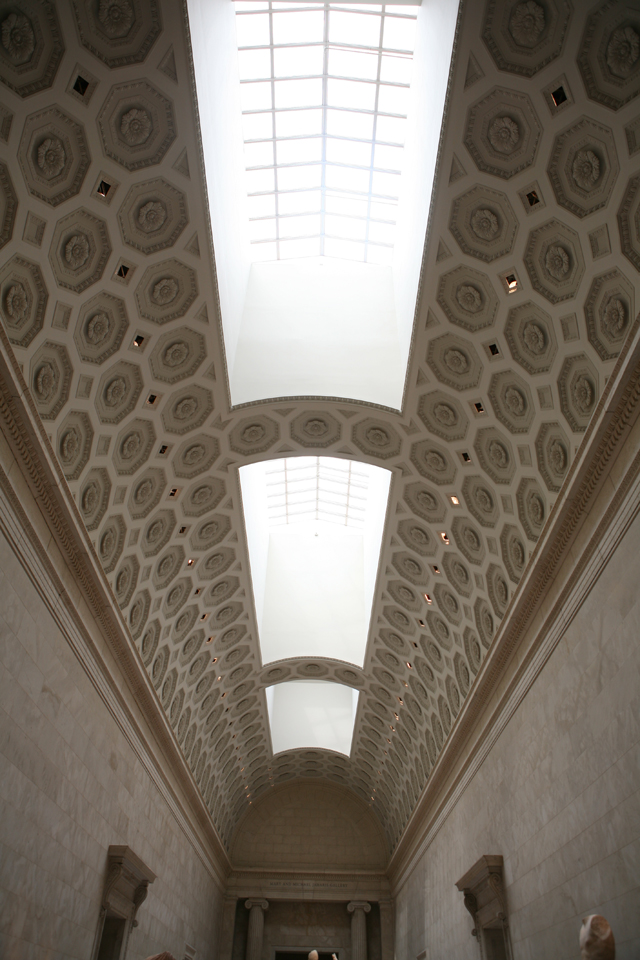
column 500, row 386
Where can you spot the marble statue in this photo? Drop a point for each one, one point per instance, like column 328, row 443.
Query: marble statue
column 596, row 939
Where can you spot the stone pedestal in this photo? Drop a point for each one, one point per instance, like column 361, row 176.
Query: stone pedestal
column 256, row 927
column 358, row 928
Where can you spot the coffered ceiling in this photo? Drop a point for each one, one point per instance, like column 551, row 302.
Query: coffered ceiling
column 537, row 186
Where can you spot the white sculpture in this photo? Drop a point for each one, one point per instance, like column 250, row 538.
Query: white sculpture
column 596, row 939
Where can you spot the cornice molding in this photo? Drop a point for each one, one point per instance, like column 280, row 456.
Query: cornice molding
column 603, row 443
column 40, row 471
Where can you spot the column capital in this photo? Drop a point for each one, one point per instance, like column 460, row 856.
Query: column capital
column 263, row 904
column 359, row 905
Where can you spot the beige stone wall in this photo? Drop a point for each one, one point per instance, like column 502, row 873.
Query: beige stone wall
column 558, row 796
column 309, row 825
column 70, row 785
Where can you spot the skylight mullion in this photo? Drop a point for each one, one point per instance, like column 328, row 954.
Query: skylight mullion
column 323, row 182
column 373, row 140
column 273, row 134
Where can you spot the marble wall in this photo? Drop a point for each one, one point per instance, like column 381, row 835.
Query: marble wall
column 309, row 824
column 558, row 796
column 71, row 785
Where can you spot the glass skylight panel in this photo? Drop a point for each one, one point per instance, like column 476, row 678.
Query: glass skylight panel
column 324, row 99
column 314, row 530
column 311, row 713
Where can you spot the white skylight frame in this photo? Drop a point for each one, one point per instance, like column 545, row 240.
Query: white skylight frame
column 327, row 216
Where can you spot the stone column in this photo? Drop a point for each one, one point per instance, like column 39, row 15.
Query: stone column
column 358, row 928
column 256, row 926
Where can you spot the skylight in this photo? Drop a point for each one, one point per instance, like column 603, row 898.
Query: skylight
column 325, row 94
column 314, row 529
column 317, row 488
column 311, row 713
column 319, row 137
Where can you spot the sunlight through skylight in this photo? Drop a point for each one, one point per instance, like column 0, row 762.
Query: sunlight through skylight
column 314, row 530
column 324, row 92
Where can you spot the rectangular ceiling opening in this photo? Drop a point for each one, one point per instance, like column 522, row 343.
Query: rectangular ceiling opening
column 314, row 530
column 320, row 126
column 311, row 713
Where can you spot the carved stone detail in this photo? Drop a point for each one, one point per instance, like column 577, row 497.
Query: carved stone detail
column 498, row 589
column 31, row 46
column 457, row 573
column 8, row 205
column 125, row 580
column 157, row 532
column 111, row 542
column 443, row 415
column 166, row 291
column 51, row 373
column 75, row 436
column 579, row 390
column 316, row 429
column 628, row 218
column 254, row 435
column 483, row 223
column 136, row 124
column 583, row 166
column 133, row 446
column 417, row 537
column 23, row 299
column 102, row 324
column 433, row 462
column 468, row 540
column 210, row 532
column 187, row 409
column 177, row 355
column 468, row 298
column 80, row 248
column 168, row 567
column 195, row 455
column 376, row 439
column 514, row 552
column 553, row 453
column 118, row 32
column 481, row 500
column 554, row 261
column 503, row 132
column 485, row 623
column 54, row 156
column 203, row 495
column 94, row 497
column 532, row 507
column 511, row 401
column 525, row 36
column 454, row 362
column 609, row 311
column 531, row 337
column 146, row 492
column 216, row 563
column 118, row 391
column 410, row 567
column 138, row 613
column 152, row 216
column 425, row 502
column 610, row 53
column 495, row 454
